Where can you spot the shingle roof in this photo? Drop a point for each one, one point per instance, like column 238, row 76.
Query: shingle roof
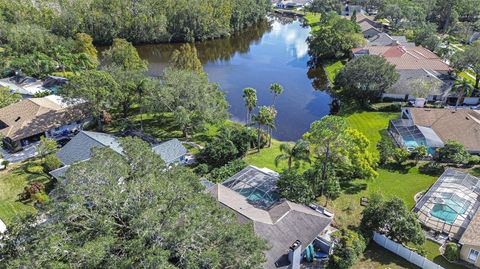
column 33, row 116
column 462, row 125
column 280, row 225
column 407, row 57
column 471, row 236
column 80, row 147
column 384, row 39
column 402, row 86
column 170, row 150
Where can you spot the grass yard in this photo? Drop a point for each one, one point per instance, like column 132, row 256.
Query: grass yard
column 12, row 183
column 376, row 257
column 371, row 124
column 312, row 19
column 332, row 70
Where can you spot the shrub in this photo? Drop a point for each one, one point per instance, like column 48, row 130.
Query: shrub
column 218, row 152
column 35, row 169
column 348, row 247
column 51, row 162
column 400, row 155
column 386, row 149
column 474, row 160
column 5, row 164
column 34, row 188
column 432, row 169
column 202, row 169
column 453, row 152
column 392, row 107
column 240, row 137
column 452, row 252
column 40, row 197
column 218, row 175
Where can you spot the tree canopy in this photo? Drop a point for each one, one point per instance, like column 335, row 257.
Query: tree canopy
column 133, row 214
column 334, row 38
column 365, row 79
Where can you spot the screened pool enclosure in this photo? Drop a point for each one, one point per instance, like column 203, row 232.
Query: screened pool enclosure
column 410, row 136
column 450, row 203
column 259, row 186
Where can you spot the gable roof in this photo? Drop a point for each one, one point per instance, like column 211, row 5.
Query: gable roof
column 280, row 225
column 170, row 150
column 462, row 125
column 33, row 116
column 384, row 39
column 403, row 86
column 406, row 57
column 80, row 147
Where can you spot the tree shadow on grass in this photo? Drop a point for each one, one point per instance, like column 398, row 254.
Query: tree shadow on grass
column 353, row 187
column 403, row 168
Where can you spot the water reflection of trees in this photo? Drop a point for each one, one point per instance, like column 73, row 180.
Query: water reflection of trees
column 220, row 49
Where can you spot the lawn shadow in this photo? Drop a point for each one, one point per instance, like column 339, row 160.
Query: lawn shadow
column 353, row 187
column 375, row 254
column 403, row 168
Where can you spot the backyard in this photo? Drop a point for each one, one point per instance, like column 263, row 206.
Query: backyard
column 12, row 184
column 404, row 183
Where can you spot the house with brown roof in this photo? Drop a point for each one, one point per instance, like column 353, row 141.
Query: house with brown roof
column 412, row 62
column 290, row 229
column 470, row 242
column 26, row 121
column 445, row 124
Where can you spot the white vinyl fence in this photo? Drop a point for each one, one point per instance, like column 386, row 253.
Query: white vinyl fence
column 405, row 253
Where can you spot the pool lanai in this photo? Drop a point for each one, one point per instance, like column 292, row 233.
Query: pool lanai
column 257, row 185
column 410, row 136
column 450, row 203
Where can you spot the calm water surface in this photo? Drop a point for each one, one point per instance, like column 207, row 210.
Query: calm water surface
column 274, row 51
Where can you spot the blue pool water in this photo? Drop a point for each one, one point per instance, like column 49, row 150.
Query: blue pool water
column 451, row 207
column 258, row 195
column 444, row 213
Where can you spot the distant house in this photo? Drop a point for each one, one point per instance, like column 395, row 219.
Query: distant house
column 412, row 62
column 80, row 149
column 292, row 3
column 451, row 208
column 434, row 127
column 26, row 121
column 384, row 39
column 291, row 229
column 28, row 86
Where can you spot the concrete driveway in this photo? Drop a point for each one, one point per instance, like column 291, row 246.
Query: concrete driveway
column 27, row 153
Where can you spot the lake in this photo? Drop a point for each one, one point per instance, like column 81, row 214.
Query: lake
column 272, row 51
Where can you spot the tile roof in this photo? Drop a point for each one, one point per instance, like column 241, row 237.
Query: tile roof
column 471, row 236
column 170, row 150
column 33, row 116
column 404, row 57
column 462, row 125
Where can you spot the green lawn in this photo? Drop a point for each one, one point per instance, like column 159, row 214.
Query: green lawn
column 312, row 19
column 376, row 257
column 12, row 183
column 332, row 70
column 371, row 124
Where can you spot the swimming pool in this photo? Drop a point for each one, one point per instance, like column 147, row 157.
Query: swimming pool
column 444, row 212
column 449, row 207
column 256, row 195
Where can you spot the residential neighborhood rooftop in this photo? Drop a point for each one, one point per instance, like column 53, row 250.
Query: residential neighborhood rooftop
column 280, row 225
column 461, row 125
column 36, row 115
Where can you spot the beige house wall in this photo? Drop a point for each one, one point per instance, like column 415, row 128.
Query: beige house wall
column 465, row 250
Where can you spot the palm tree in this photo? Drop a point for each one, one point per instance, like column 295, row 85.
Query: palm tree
column 261, row 119
column 276, row 89
column 271, row 123
column 250, row 97
column 462, row 88
column 300, row 151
